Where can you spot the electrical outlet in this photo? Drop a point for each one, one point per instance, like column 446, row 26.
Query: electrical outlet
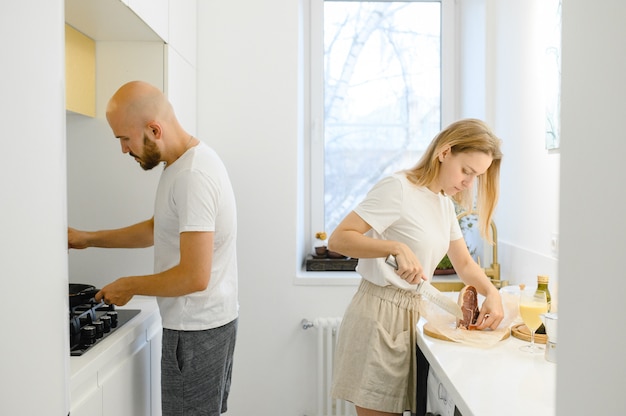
column 554, row 244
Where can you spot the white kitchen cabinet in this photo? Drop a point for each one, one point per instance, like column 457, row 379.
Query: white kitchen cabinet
column 180, row 58
column 121, row 388
column 132, row 43
column 126, row 386
column 183, row 29
column 87, row 398
column 181, row 88
column 120, row 376
column 119, row 62
column 80, row 72
column 108, row 20
column 438, row 400
column 154, row 337
column 155, row 13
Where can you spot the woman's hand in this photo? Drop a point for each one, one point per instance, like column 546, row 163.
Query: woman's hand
column 491, row 311
column 409, row 267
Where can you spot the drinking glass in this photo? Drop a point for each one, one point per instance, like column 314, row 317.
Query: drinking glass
column 531, row 305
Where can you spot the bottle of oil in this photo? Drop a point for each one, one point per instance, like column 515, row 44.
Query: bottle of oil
column 542, row 284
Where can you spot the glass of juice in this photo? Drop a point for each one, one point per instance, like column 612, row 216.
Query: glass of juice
column 531, row 305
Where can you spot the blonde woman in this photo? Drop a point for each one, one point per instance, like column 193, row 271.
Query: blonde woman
column 411, row 215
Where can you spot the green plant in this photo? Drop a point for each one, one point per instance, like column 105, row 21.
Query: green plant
column 445, row 263
column 466, row 223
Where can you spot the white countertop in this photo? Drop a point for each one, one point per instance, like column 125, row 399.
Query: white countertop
column 83, row 369
column 492, row 381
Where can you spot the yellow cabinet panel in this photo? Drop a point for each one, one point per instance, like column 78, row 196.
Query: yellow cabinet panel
column 80, row 72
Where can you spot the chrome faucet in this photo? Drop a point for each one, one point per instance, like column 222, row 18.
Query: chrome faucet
column 492, row 272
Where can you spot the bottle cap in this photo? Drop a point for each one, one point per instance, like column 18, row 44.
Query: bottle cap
column 542, row 279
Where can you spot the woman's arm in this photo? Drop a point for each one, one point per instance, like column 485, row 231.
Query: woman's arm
column 350, row 240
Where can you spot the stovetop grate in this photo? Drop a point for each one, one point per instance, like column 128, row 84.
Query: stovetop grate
column 91, row 323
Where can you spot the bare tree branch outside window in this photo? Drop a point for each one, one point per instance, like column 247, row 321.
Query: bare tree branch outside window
column 382, row 97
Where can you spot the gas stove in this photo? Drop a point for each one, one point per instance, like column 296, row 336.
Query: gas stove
column 92, row 322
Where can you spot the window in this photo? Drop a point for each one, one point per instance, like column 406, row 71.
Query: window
column 378, row 95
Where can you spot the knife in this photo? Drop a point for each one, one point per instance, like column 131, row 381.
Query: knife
column 430, row 292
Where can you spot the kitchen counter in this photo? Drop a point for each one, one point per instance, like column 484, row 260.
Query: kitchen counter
column 492, row 381
column 129, row 355
column 123, row 338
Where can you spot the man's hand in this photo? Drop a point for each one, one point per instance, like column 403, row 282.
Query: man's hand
column 116, row 293
column 76, row 238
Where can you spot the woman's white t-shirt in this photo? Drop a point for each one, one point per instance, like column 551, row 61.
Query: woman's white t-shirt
column 398, row 210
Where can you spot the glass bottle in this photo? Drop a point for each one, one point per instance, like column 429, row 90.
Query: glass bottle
column 542, row 284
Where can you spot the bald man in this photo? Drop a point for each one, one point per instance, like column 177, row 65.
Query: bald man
column 193, row 231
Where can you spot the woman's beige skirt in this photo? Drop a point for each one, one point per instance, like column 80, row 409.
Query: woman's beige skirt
column 375, row 362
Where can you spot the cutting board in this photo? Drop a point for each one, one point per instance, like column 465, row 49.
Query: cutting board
column 432, row 332
column 520, row 331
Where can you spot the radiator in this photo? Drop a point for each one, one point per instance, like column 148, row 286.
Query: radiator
column 326, row 335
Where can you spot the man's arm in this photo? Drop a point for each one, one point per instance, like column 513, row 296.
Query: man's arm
column 135, row 236
column 192, row 274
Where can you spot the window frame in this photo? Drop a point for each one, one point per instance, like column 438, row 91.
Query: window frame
column 312, row 157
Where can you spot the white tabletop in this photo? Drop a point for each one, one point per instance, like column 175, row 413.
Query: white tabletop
column 493, row 381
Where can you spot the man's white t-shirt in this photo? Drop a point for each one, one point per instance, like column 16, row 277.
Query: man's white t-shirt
column 398, row 210
column 195, row 195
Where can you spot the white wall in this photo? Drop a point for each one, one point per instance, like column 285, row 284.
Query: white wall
column 527, row 215
column 502, row 59
column 248, row 111
column 33, row 238
column 591, row 373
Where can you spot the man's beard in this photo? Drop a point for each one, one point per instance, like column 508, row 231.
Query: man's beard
column 151, row 154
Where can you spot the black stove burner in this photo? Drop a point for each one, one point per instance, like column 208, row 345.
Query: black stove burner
column 90, row 323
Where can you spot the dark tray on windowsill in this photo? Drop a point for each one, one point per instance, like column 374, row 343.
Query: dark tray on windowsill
column 328, row 264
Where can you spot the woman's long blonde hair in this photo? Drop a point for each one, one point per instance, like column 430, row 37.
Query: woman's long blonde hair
column 467, row 135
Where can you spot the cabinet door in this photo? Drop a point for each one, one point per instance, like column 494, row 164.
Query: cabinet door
column 121, row 62
column 183, row 29
column 181, row 89
column 126, row 391
column 80, row 72
column 155, row 13
column 154, row 338
column 91, row 406
column 85, row 396
column 437, row 399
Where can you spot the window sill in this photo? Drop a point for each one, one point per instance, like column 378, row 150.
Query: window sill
column 328, row 272
column 330, row 264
